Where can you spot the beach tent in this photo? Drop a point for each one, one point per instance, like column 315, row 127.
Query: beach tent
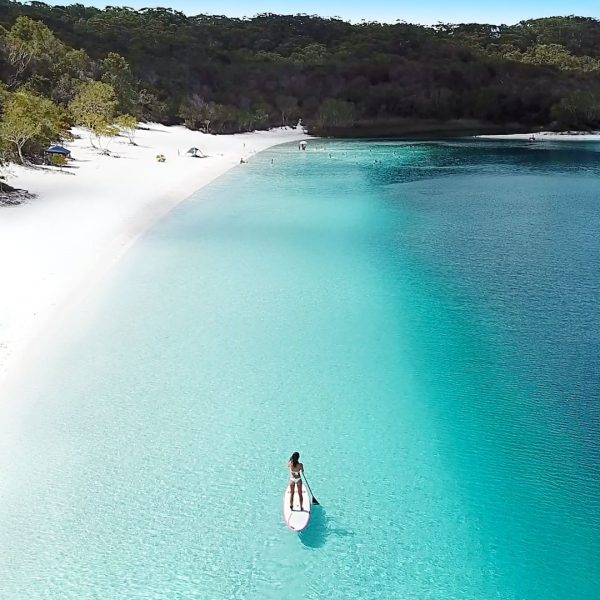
column 195, row 152
column 59, row 150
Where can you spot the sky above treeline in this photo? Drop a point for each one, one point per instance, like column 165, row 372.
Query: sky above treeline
column 426, row 12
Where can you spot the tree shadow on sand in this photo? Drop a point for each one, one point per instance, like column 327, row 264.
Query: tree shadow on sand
column 321, row 527
column 10, row 196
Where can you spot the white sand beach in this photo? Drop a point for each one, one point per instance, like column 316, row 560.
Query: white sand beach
column 56, row 246
column 548, row 136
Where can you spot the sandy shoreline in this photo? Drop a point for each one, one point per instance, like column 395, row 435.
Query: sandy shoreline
column 548, row 136
column 56, row 247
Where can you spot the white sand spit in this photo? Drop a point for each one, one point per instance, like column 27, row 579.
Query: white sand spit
column 549, row 136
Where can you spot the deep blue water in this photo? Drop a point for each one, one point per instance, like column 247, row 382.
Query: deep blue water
column 420, row 320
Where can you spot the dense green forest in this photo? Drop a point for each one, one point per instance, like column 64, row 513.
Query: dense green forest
column 81, row 65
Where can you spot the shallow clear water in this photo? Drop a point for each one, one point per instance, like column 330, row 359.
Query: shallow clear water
column 420, row 321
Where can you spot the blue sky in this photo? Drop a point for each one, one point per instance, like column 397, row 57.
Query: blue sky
column 419, row 11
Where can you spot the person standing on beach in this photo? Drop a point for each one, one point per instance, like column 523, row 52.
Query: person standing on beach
column 296, row 469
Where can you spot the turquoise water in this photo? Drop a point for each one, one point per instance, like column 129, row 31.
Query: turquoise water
column 419, row 320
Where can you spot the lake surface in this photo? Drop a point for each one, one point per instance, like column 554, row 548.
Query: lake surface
column 420, row 320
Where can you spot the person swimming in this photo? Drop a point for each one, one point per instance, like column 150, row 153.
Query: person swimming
column 296, row 469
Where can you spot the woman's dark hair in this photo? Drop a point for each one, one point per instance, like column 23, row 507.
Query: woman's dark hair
column 294, row 459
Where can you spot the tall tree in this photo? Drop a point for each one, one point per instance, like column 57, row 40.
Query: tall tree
column 195, row 111
column 288, row 107
column 336, row 113
column 29, row 43
column 94, row 108
column 116, row 72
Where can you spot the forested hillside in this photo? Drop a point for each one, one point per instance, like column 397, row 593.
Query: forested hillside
column 223, row 74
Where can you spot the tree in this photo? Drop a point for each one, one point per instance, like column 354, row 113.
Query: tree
column 245, row 71
column 28, row 42
column 94, row 108
column 31, row 121
column 262, row 115
column 64, row 89
column 311, row 54
column 555, row 55
column 77, row 64
column 336, row 113
column 116, row 72
column 580, row 109
column 195, row 111
column 128, row 125
column 74, row 67
column 288, row 107
column 4, row 96
column 224, row 118
column 148, row 107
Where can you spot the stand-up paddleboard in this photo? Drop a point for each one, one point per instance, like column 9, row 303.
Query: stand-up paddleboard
column 296, row 519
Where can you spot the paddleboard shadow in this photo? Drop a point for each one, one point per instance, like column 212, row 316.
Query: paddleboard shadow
column 316, row 535
column 322, row 527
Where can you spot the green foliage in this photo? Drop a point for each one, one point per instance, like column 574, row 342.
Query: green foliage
column 579, row 110
column 310, row 54
column 556, row 56
column 94, row 108
column 4, row 95
column 148, row 107
column 261, row 114
column 195, row 112
column 336, row 113
column 30, row 46
column 116, row 72
column 224, row 74
column 29, row 123
column 579, row 35
column 58, row 160
column 76, row 64
column 288, row 107
column 128, row 125
column 95, row 103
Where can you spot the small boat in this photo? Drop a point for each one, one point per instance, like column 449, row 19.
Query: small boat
column 296, row 519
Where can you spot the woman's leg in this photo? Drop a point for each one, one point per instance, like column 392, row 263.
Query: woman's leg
column 292, row 486
column 299, row 484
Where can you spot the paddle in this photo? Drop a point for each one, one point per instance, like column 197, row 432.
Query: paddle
column 314, row 500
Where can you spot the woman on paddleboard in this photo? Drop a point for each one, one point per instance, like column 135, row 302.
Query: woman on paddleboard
column 296, row 468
